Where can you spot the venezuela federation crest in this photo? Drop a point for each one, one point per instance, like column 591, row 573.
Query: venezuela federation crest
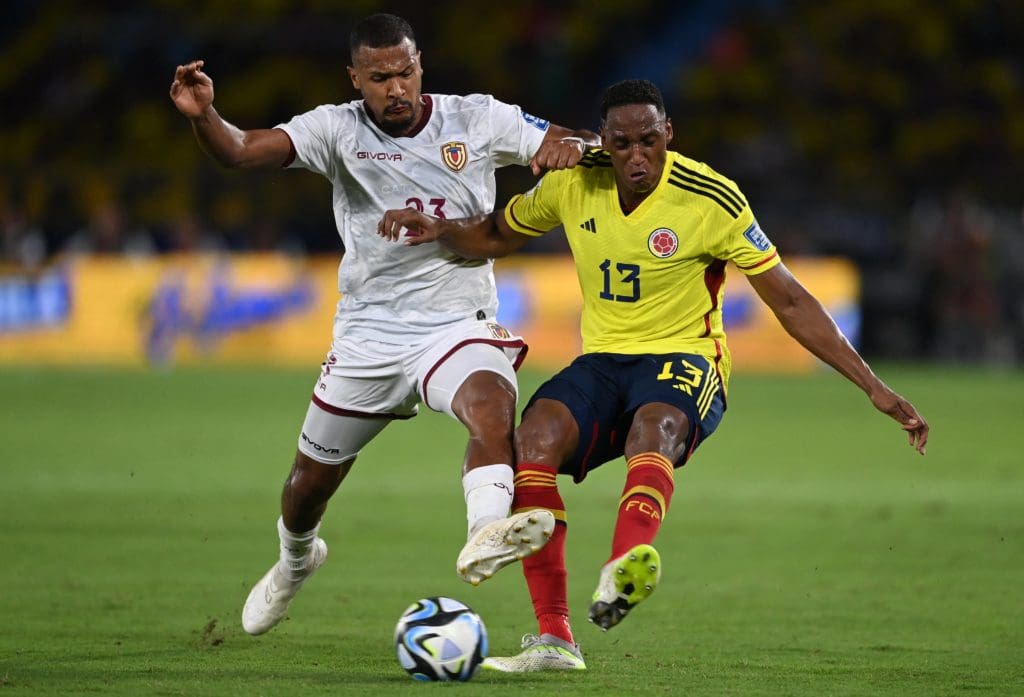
column 454, row 155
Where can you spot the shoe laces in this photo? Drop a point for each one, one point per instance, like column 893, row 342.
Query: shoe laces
column 530, row 640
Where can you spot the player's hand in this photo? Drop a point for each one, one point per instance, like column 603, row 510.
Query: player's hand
column 192, row 89
column 888, row 402
column 420, row 228
column 564, row 153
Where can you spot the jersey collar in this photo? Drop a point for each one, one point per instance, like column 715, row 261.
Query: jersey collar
column 643, row 205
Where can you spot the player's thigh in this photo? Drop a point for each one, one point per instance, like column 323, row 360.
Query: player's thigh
column 686, row 383
column 335, row 438
column 359, row 391
column 442, row 368
column 366, row 378
column 591, row 396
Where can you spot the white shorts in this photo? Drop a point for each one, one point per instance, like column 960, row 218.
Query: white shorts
column 366, row 384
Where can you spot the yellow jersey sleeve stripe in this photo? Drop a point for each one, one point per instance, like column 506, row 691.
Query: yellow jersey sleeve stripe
column 515, row 224
column 732, row 194
column 735, row 213
column 598, row 158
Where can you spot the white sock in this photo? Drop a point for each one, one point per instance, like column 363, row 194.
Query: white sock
column 295, row 549
column 488, row 491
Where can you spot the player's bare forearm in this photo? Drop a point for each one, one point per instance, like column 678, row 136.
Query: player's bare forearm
column 192, row 93
column 809, row 323
column 234, row 148
column 484, row 236
column 562, row 148
column 804, row 318
column 477, row 237
column 218, row 138
column 589, row 138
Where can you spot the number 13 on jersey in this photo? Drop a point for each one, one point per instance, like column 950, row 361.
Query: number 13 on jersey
column 626, row 277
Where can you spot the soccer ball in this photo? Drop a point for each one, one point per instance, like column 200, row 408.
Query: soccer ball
column 440, row 639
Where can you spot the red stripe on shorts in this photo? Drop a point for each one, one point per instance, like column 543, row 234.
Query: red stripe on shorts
column 338, row 411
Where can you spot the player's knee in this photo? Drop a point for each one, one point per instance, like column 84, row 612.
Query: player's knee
column 314, row 480
column 486, row 405
column 545, row 435
column 660, row 429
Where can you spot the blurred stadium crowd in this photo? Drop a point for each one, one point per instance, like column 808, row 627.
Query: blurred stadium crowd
column 891, row 133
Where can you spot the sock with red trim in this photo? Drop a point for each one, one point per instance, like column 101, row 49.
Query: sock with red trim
column 644, row 503
column 545, row 572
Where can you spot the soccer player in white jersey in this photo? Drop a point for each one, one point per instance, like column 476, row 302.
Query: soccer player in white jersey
column 408, row 327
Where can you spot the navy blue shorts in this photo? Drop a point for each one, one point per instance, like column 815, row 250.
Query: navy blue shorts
column 604, row 390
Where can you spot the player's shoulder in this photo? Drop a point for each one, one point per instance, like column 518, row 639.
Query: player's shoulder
column 688, row 167
column 486, row 108
column 594, row 170
column 463, row 102
column 595, row 161
column 353, row 107
column 347, row 111
column 700, row 184
column 592, row 174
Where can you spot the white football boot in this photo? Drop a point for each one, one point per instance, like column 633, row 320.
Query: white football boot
column 502, row 542
column 544, row 652
column 268, row 600
column 624, row 583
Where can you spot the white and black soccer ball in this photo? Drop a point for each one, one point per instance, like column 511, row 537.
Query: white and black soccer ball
column 440, row 639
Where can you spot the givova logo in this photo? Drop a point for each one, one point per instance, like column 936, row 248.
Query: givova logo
column 321, row 448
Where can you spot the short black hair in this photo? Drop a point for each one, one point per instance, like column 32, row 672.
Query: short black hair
column 632, row 92
column 379, row 31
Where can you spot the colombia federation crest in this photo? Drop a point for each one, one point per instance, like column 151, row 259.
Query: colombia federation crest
column 454, row 155
column 663, row 243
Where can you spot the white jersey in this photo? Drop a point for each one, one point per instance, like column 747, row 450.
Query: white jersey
column 445, row 167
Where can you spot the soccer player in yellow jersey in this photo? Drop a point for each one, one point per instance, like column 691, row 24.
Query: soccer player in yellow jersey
column 651, row 232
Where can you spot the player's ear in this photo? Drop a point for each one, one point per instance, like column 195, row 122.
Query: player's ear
column 668, row 130
column 354, row 77
column 603, row 132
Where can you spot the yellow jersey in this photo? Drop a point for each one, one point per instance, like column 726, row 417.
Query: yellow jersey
column 652, row 279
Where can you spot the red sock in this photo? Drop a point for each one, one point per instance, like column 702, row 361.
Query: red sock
column 535, row 487
column 645, row 500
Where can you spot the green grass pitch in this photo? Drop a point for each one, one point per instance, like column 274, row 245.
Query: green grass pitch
column 808, row 551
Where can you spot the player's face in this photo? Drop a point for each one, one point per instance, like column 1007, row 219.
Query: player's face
column 637, row 137
column 391, row 81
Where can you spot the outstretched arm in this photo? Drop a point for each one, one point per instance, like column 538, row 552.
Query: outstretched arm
column 485, row 236
column 562, row 148
column 192, row 94
column 804, row 318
